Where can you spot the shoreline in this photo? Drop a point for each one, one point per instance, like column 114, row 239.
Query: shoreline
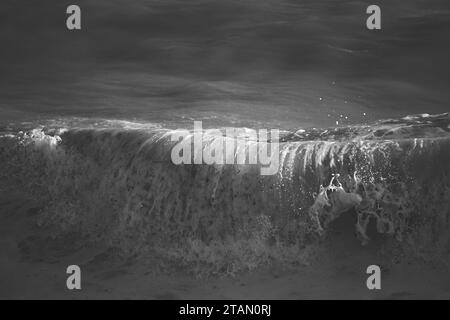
column 27, row 276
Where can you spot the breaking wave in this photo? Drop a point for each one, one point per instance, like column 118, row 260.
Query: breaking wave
column 114, row 182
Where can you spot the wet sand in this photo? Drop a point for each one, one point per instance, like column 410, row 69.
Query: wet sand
column 33, row 268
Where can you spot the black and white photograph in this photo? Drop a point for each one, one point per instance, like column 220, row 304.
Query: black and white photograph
column 227, row 150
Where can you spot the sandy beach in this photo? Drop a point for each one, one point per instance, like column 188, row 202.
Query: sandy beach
column 31, row 267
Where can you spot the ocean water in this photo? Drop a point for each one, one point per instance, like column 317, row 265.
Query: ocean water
column 85, row 123
column 114, row 182
column 285, row 64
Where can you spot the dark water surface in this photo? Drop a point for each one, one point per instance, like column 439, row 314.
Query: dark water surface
column 280, row 63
